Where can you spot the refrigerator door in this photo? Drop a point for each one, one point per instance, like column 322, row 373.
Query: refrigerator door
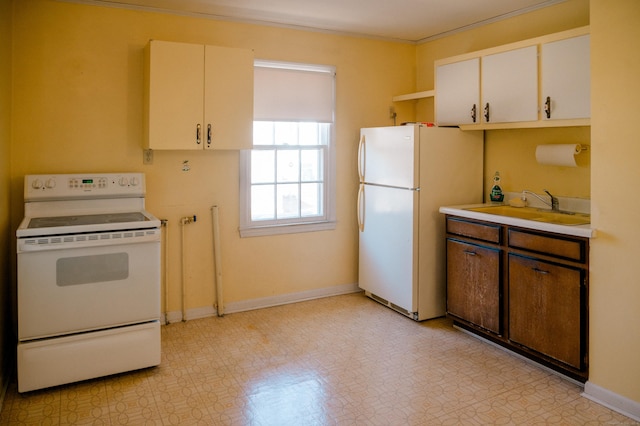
column 388, row 244
column 389, row 156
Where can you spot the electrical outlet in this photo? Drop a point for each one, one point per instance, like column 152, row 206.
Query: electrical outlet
column 392, row 112
column 147, row 156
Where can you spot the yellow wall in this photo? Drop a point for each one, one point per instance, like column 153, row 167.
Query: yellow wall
column 615, row 283
column 78, row 107
column 79, row 94
column 512, row 152
column 6, row 336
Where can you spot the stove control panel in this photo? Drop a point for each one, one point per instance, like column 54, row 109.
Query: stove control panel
column 69, row 186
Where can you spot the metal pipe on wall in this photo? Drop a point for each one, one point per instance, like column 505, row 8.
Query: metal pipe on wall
column 217, row 259
column 165, row 269
column 184, row 221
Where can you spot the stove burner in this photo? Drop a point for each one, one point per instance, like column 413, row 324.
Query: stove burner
column 93, row 219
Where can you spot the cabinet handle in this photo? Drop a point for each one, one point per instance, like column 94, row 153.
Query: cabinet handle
column 540, row 271
column 474, row 113
column 486, row 112
column 198, row 140
column 547, row 107
column 208, row 134
column 470, row 253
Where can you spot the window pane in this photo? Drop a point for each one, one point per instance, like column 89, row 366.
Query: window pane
column 262, row 202
column 311, row 199
column 262, row 133
column 288, row 205
column 311, row 165
column 325, row 134
column 288, row 166
column 286, row 133
column 309, row 134
column 263, row 166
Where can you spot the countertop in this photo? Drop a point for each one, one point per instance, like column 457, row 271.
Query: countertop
column 575, row 230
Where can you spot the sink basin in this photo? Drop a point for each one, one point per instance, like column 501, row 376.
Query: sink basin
column 539, row 215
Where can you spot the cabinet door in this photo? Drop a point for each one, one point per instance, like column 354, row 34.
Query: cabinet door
column 566, row 79
column 510, row 86
column 545, row 313
column 174, row 104
column 228, row 98
column 458, row 93
column 473, row 284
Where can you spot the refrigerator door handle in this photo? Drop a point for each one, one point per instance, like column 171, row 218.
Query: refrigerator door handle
column 361, row 149
column 360, row 207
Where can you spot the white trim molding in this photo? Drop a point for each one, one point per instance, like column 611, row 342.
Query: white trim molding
column 267, row 302
column 264, row 302
column 612, row 400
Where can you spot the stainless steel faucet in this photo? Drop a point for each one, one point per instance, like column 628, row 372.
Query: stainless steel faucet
column 554, row 201
column 554, row 204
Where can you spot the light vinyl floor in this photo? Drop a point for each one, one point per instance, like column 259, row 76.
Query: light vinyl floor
column 343, row 360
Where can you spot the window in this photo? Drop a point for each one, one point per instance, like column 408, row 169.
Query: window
column 287, row 179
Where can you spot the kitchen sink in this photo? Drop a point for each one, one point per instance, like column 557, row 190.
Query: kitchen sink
column 538, row 215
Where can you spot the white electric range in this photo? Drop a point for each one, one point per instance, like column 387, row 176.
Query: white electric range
column 88, row 279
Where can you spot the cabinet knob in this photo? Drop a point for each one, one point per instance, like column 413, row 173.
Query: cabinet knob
column 208, row 135
column 474, row 113
column 547, row 107
column 198, row 131
column 486, row 112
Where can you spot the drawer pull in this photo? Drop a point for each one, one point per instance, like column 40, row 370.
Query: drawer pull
column 470, row 253
column 540, row 271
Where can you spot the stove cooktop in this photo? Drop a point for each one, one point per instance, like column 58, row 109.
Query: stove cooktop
column 92, row 219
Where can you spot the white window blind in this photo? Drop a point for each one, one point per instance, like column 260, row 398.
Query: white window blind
column 295, row 93
column 287, row 181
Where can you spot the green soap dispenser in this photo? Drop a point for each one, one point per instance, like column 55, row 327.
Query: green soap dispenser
column 496, row 194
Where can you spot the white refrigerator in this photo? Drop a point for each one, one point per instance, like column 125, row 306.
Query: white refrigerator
column 407, row 173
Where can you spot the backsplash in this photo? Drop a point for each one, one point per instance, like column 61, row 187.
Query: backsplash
column 578, row 205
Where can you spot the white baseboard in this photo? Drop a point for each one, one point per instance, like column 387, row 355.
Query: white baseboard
column 264, row 302
column 283, row 299
column 609, row 399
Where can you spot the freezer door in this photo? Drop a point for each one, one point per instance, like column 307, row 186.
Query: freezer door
column 388, row 245
column 389, row 156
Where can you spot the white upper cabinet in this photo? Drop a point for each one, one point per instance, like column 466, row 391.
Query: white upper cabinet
column 540, row 82
column 510, row 86
column 566, row 79
column 458, row 96
column 198, row 97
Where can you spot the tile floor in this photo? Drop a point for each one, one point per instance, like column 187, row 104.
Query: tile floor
column 343, row 360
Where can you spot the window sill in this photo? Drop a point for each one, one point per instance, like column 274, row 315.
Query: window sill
column 260, row 231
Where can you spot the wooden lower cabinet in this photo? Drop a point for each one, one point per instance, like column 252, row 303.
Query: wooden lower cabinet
column 473, row 290
column 523, row 289
column 546, row 308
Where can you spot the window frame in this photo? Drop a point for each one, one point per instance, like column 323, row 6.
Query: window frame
column 251, row 228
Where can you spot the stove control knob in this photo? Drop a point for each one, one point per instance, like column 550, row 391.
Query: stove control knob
column 133, row 181
column 50, row 183
column 36, row 184
column 123, row 181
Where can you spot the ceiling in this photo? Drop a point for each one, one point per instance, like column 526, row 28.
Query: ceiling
column 401, row 20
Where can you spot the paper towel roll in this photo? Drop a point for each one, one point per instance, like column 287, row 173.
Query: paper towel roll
column 558, row 155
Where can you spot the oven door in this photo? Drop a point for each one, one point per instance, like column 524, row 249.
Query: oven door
column 90, row 287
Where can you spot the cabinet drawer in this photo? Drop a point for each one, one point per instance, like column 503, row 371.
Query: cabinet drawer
column 565, row 248
column 477, row 230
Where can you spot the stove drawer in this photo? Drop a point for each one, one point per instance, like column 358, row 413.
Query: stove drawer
column 75, row 290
